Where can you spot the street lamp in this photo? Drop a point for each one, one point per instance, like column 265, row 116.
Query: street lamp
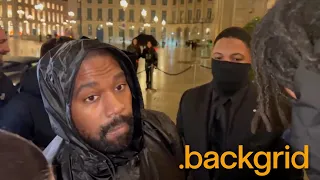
column 124, row 5
column 70, row 13
column 39, row 7
column 163, row 22
column 144, row 13
column 109, row 24
column 155, row 19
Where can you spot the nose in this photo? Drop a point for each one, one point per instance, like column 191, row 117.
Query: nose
column 113, row 105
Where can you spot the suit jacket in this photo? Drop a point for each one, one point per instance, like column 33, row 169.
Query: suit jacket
column 193, row 117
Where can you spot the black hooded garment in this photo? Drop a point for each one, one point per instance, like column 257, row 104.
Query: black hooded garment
column 156, row 150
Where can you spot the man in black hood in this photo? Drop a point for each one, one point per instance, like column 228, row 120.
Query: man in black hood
column 93, row 98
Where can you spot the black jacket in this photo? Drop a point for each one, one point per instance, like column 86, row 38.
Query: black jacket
column 155, row 151
column 305, row 128
column 7, row 89
column 150, row 55
column 193, row 119
column 25, row 115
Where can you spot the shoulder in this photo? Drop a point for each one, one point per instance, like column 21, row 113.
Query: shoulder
column 196, row 92
column 159, row 119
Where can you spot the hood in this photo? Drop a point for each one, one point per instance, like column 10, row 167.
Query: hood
column 57, row 71
column 29, row 82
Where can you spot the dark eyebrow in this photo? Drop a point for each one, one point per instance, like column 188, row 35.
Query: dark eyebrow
column 217, row 53
column 235, row 54
column 119, row 75
column 83, row 86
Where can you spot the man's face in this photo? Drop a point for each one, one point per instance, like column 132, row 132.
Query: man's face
column 102, row 104
column 232, row 50
column 4, row 46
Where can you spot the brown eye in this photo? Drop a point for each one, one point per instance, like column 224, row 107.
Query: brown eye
column 91, row 99
column 120, row 87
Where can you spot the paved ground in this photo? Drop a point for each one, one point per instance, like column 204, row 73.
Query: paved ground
column 169, row 88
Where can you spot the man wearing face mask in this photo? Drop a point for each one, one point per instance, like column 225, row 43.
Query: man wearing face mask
column 217, row 116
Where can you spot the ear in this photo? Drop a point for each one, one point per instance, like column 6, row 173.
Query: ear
column 291, row 93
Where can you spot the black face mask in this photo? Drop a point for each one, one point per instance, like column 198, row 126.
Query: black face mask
column 229, row 77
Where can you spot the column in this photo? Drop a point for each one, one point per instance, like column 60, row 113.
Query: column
column 15, row 19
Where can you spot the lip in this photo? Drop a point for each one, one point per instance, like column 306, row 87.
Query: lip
column 119, row 129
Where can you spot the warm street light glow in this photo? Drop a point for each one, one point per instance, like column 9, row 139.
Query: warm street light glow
column 124, row 4
column 147, row 25
column 144, row 13
column 73, row 22
column 39, row 7
column 29, row 17
column 132, row 27
column 42, row 20
column 109, row 24
column 65, row 23
column 163, row 22
column 71, row 14
column 155, row 19
column 20, row 12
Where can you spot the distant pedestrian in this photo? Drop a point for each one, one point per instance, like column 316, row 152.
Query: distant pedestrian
column 135, row 48
column 151, row 57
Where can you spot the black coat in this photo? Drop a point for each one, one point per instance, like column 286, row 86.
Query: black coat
column 192, row 121
column 25, row 115
column 7, row 89
column 155, row 151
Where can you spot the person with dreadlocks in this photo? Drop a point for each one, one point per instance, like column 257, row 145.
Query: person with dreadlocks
column 217, row 116
column 286, row 55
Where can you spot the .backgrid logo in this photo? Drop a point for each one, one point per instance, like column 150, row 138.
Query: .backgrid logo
column 213, row 161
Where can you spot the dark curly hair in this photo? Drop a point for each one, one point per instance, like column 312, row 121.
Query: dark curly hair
column 285, row 37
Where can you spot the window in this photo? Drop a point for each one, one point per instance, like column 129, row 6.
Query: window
column 174, row 2
column 89, row 14
column 49, row 16
column 19, row 1
column 48, row 5
column 190, row 1
column 89, row 30
column 57, row 7
column 209, row 12
column 78, row 13
column 198, row 14
column 153, row 32
column 199, row 1
column 174, row 17
column 99, row 14
column 26, row 1
column 131, row 2
column 53, row 17
column 121, row 15
column 189, row 15
column 110, row 2
column 121, row 32
column 9, row 11
column 38, row 15
column 32, row 2
column 79, row 29
column 61, row 8
column 164, row 15
column 89, row 2
column 131, row 15
column 52, row 5
column 58, row 18
column 110, row 13
column 110, row 31
column 142, row 2
column 131, row 33
column 33, row 13
column 182, row 2
column 153, row 14
column 26, row 11
column 153, row 2
column 49, row 29
column 164, row 2
column 99, row 1
column 181, row 16
column 62, row 18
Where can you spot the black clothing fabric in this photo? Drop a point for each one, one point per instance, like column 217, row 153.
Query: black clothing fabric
column 151, row 58
column 306, row 117
column 25, row 114
column 137, row 51
column 229, row 77
column 203, row 124
column 155, row 151
column 7, row 89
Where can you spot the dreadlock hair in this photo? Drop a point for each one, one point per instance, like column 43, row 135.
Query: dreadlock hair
column 20, row 159
column 284, row 38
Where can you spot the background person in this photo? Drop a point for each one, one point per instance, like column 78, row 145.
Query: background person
column 20, row 159
column 217, row 116
column 24, row 114
column 286, row 55
column 95, row 104
column 151, row 57
column 135, row 48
